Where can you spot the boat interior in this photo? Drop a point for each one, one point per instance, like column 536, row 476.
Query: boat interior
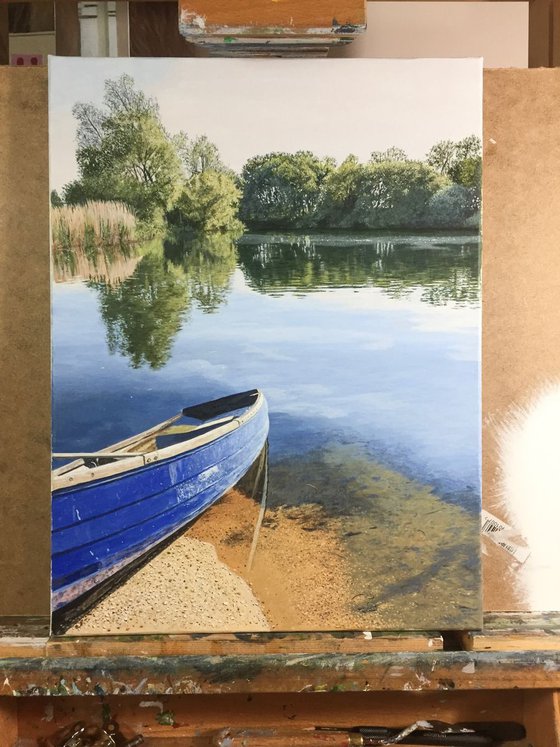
column 191, row 422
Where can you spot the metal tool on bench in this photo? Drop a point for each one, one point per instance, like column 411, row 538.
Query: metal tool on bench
column 465, row 734
column 81, row 735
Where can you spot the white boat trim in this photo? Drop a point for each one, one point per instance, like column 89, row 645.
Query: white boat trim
column 77, row 473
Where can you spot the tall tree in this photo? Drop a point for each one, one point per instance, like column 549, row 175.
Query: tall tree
column 441, row 156
column 446, row 155
column 124, row 153
column 201, row 155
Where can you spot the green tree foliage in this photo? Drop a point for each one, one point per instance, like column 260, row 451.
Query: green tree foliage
column 390, row 155
column 441, row 156
column 282, row 189
column 394, row 194
column 340, row 190
column 144, row 313
column 461, row 161
column 56, row 199
column 450, row 207
column 209, row 203
column 125, row 154
column 467, row 172
column 201, row 155
column 469, row 147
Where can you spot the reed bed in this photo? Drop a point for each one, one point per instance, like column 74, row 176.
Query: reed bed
column 92, row 226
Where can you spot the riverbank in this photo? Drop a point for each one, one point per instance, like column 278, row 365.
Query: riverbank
column 200, row 583
column 402, row 560
column 183, row 589
column 300, row 572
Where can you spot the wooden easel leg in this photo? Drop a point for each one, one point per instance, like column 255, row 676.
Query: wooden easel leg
column 67, row 28
column 542, row 718
column 4, row 35
column 544, row 33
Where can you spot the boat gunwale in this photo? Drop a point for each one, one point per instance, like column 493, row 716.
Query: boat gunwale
column 62, row 477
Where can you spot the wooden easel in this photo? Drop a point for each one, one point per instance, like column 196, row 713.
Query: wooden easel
column 510, row 671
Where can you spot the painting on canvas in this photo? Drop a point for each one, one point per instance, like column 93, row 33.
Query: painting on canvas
column 266, row 313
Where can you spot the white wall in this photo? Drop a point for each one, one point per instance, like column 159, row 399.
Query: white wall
column 41, row 42
column 496, row 31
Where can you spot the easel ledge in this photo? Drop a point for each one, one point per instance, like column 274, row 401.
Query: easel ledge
column 513, row 650
column 270, row 687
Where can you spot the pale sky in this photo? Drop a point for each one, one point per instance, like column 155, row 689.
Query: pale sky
column 331, row 107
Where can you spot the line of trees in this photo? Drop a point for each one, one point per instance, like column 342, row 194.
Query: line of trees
column 300, row 190
column 125, row 154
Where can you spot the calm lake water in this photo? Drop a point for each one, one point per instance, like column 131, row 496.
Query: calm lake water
column 367, row 341
column 367, row 348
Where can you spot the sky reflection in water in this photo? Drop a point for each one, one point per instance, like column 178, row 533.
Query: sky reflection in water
column 367, row 341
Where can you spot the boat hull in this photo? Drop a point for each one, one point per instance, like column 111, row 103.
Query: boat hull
column 100, row 528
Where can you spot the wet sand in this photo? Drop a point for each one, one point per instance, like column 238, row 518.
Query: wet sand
column 402, row 559
column 200, row 583
column 300, row 572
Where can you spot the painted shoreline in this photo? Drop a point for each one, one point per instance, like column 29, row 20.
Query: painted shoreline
column 200, row 583
column 309, row 571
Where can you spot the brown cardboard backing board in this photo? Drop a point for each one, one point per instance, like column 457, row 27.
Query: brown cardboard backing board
column 520, row 319
column 521, row 277
column 24, row 343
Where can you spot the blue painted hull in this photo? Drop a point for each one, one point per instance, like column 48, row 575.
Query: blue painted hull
column 101, row 526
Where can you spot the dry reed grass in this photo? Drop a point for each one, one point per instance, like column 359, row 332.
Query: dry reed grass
column 92, row 226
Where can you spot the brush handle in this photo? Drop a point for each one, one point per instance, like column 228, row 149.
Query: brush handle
column 327, row 738
column 278, row 738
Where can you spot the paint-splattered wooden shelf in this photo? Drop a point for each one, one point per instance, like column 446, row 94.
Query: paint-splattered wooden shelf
column 271, row 682
column 21, row 643
column 283, row 662
column 515, row 631
column 142, row 673
column 199, row 720
column 264, row 28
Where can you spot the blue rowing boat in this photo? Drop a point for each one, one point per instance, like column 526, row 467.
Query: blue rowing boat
column 113, row 508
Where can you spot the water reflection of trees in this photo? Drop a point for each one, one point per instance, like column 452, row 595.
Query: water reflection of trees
column 144, row 312
column 208, row 262
column 444, row 273
column 146, row 296
column 111, row 264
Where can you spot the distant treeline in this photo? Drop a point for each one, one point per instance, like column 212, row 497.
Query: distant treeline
column 125, row 155
column 299, row 190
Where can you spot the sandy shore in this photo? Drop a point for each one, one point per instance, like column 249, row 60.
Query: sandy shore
column 402, row 560
column 200, row 583
column 184, row 589
column 300, row 571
